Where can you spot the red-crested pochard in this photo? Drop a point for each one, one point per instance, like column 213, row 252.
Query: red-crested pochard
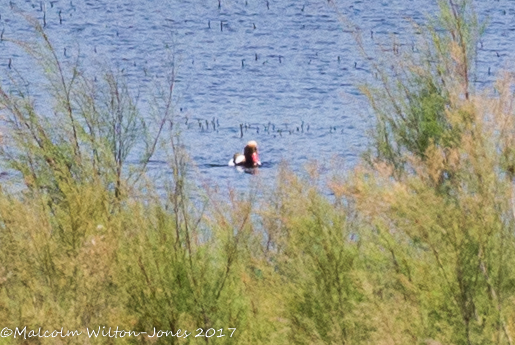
column 249, row 158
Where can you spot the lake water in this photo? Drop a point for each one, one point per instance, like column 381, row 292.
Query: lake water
column 286, row 72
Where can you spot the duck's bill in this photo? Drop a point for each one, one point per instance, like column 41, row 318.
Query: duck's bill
column 255, row 159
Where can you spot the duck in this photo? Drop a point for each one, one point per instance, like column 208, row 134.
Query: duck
column 249, row 158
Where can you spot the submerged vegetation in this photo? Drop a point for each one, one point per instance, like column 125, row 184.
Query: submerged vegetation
column 416, row 245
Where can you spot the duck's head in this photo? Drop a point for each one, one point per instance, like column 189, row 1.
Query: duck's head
column 251, row 154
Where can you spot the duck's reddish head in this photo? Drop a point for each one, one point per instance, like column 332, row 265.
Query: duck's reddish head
column 251, row 154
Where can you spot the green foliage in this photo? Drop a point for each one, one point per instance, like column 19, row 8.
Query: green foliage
column 417, row 89
column 317, row 259
column 419, row 122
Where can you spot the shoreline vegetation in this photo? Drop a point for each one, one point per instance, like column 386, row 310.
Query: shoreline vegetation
column 416, row 247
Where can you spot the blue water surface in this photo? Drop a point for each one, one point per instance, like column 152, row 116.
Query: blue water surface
column 283, row 73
